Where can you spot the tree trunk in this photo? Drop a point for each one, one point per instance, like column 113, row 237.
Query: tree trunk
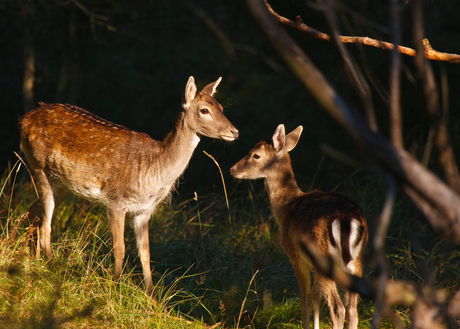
column 28, row 17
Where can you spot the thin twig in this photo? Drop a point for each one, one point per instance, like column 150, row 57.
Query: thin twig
column 221, row 323
column 446, row 157
column 379, row 244
column 18, row 165
column 223, row 182
column 385, row 216
column 30, row 174
column 430, row 53
column 438, row 202
column 227, row 44
column 396, row 133
column 245, row 298
column 428, row 147
column 89, row 12
column 317, row 172
column 37, row 251
column 352, row 69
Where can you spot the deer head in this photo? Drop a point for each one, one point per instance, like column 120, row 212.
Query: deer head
column 205, row 114
column 264, row 157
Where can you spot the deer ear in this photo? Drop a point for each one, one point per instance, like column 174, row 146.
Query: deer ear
column 190, row 92
column 211, row 88
column 292, row 138
column 278, row 138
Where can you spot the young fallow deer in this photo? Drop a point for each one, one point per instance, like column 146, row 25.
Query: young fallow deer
column 73, row 151
column 333, row 222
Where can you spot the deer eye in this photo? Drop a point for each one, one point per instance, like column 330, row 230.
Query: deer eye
column 256, row 156
column 204, row 111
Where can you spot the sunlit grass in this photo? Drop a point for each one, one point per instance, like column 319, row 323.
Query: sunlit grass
column 75, row 288
column 203, row 256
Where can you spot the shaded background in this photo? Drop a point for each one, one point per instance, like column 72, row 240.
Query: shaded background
column 129, row 61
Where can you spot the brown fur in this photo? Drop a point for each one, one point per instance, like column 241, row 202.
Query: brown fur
column 71, row 150
column 314, row 215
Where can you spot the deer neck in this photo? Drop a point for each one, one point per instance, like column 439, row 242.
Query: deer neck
column 177, row 149
column 282, row 189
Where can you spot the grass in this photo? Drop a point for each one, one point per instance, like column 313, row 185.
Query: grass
column 210, row 263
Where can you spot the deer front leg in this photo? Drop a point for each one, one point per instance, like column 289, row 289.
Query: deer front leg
column 117, row 226
column 141, row 229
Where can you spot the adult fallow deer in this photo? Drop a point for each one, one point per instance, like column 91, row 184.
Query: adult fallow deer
column 71, row 150
column 332, row 222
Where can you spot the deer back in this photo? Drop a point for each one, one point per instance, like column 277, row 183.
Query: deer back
column 92, row 157
column 334, row 222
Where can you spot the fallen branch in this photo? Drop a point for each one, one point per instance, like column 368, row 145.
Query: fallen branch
column 430, row 53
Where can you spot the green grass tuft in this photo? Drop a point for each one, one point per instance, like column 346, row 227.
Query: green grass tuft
column 204, row 257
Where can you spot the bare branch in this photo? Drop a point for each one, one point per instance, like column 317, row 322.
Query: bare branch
column 396, row 293
column 379, row 243
column 429, row 52
column 336, row 272
column 433, row 195
column 446, row 153
column 454, row 306
column 431, row 306
column 89, row 13
column 227, row 44
column 395, row 81
column 353, row 70
column 28, row 16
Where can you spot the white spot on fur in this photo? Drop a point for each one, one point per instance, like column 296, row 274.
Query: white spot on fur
column 354, row 251
column 336, row 251
column 354, row 226
column 351, row 267
column 336, row 232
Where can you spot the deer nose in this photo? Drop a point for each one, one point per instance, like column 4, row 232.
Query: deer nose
column 229, row 134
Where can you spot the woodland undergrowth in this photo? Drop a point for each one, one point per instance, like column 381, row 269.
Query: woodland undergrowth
column 212, row 264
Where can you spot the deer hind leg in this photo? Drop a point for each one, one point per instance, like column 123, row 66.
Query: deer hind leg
column 316, row 300
column 117, row 227
column 336, row 308
column 351, row 298
column 302, row 273
column 41, row 212
column 141, row 229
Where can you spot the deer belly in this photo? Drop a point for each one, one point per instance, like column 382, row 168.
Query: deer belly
column 88, row 188
column 89, row 192
column 82, row 179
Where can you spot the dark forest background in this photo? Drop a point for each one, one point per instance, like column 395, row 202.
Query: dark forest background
column 129, row 61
